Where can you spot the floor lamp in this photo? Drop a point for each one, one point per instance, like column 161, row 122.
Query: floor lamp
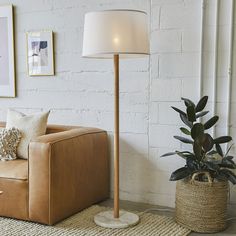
column 116, row 34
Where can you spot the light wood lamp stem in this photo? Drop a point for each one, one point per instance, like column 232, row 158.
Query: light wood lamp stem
column 116, row 137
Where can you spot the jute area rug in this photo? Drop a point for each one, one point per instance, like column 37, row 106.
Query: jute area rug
column 82, row 224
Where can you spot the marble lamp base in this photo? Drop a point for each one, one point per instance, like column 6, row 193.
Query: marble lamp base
column 106, row 219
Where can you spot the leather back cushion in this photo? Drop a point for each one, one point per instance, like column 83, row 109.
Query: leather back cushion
column 58, row 128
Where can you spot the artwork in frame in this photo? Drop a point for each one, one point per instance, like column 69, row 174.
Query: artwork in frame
column 7, row 60
column 40, row 53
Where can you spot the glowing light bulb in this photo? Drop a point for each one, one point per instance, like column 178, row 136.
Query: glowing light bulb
column 116, row 40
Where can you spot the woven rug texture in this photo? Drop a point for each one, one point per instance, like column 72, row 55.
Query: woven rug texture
column 82, row 224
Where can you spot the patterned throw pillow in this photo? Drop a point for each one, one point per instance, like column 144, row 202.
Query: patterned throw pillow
column 9, row 140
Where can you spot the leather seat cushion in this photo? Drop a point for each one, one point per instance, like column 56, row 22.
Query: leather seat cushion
column 16, row 169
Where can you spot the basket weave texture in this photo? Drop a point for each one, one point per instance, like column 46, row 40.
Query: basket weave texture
column 202, row 206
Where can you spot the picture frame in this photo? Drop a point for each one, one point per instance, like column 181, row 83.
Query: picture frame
column 7, row 57
column 40, row 53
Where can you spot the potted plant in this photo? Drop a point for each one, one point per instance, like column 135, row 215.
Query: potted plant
column 203, row 183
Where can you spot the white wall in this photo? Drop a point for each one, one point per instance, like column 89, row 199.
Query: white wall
column 81, row 93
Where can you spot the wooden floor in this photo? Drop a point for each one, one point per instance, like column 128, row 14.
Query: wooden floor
column 132, row 206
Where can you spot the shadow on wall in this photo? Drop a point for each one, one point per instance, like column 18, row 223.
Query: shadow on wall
column 140, row 178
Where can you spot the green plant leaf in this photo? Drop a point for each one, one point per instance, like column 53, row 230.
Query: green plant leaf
column 229, row 175
column 201, row 104
column 181, row 155
column 179, row 111
column 191, row 113
column 186, row 121
column 201, row 114
column 197, row 149
column 202, row 143
column 180, row 173
column 212, row 152
column 207, row 142
column 197, row 130
column 185, row 131
column 229, row 157
column 219, row 149
column 211, row 122
column 228, row 161
column 192, row 163
column 188, row 102
column 184, row 154
column 227, row 152
column 168, row 154
column 212, row 166
column 184, row 140
column 225, row 165
column 223, row 139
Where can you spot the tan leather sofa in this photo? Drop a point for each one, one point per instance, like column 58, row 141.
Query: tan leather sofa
column 67, row 171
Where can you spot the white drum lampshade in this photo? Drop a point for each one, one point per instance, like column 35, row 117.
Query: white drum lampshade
column 123, row 32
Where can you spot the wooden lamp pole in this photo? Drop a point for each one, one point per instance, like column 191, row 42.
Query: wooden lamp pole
column 116, row 137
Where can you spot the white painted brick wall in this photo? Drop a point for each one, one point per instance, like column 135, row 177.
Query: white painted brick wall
column 179, row 65
column 165, row 41
column 81, row 93
column 162, row 136
column 180, row 16
column 165, row 90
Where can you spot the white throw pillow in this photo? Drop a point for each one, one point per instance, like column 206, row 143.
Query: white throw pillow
column 9, row 140
column 30, row 126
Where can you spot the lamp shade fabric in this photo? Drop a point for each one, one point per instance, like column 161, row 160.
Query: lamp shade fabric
column 113, row 32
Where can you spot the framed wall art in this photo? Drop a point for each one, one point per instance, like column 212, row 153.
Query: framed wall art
column 7, row 60
column 40, row 58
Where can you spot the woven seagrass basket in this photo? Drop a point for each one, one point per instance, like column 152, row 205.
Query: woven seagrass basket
column 202, row 206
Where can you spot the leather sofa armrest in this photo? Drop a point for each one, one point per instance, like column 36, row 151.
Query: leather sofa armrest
column 2, row 124
column 68, row 171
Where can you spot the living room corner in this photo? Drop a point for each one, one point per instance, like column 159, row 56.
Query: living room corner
column 117, row 117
